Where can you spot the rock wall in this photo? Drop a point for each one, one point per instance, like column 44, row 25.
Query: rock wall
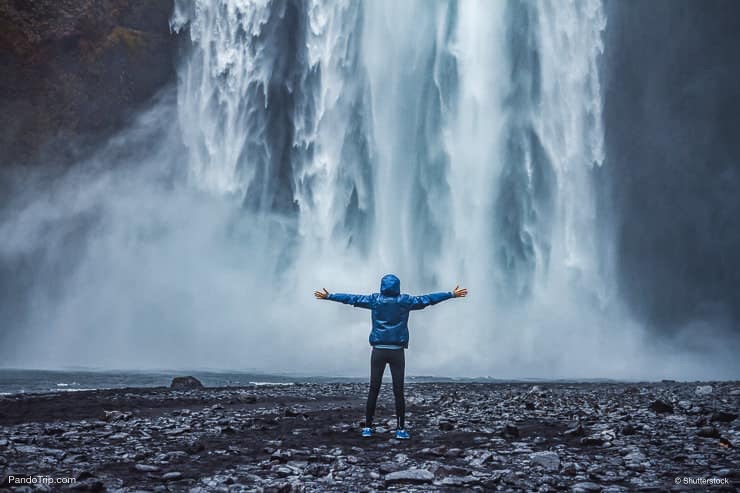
column 672, row 113
column 72, row 71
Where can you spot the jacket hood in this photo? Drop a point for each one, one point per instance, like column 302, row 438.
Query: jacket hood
column 390, row 285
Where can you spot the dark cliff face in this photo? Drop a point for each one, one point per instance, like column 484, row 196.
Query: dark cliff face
column 72, row 71
column 672, row 120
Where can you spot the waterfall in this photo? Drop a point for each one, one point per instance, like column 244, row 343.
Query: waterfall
column 404, row 131
column 443, row 141
column 546, row 209
column 271, row 102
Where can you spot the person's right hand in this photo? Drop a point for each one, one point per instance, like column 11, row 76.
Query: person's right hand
column 321, row 295
column 459, row 292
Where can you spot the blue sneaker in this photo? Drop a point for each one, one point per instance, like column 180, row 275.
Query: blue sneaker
column 367, row 432
column 402, row 434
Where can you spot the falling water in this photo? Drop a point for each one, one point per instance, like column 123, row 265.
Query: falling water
column 404, row 131
column 442, row 141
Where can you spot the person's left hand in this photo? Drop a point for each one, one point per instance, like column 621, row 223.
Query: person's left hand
column 459, row 292
column 321, row 295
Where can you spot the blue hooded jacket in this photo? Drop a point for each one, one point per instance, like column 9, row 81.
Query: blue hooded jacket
column 390, row 310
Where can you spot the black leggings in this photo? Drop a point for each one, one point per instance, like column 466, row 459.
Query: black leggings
column 397, row 361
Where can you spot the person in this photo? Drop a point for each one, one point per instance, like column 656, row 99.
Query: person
column 389, row 338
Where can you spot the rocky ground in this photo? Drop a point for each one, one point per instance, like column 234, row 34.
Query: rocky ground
column 465, row 436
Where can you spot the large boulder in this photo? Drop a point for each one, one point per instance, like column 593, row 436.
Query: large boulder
column 186, row 383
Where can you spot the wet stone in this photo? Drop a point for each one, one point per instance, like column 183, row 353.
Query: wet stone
column 116, row 416
column 708, row 432
column 704, row 390
column 628, row 429
column 410, row 476
column 592, row 440
column 576, row 431
column 388, row 467
column 723, row 417
column 586, row 487
column 550, row 461
column 292, row 412
column 570, row 469
column 460, row 481
column 510, row 431
column 446, row 425
column 660, row 406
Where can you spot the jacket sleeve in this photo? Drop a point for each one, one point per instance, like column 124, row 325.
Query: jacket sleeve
column 358, row 300
column 423, row 301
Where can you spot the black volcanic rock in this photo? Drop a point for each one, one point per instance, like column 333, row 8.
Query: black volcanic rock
column 186, row 383
column 724, row 417
column 446, row 425
column 660, row 406
column 576, row 431
column 708, row 432
column 593, row 440
column 628, row 429
column 510, row 431
column 388, row 467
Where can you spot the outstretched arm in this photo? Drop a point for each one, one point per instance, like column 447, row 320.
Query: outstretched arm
column 423, row 301
column 358, row 300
